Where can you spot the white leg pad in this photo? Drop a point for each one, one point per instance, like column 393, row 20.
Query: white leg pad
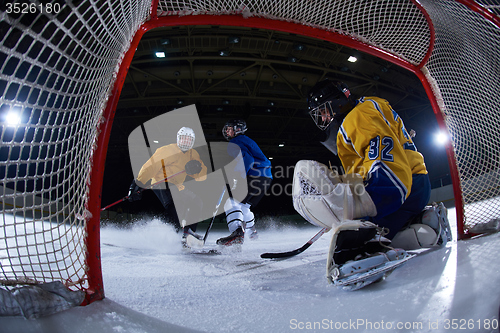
column 325, row 199
column 416, row 236
column 429, row 229
column 346, row 225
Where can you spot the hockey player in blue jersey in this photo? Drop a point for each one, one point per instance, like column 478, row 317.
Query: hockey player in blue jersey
column 257, row 174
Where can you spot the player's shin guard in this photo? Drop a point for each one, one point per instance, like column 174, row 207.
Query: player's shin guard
column 249, row 221
column 234, row 215
column 325, row 199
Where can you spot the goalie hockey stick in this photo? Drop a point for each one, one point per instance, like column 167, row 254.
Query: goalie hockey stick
column 146, row 188
column 296, row 251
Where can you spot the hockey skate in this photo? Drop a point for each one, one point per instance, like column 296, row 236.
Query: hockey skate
column 359, row 256
column 252, row 233
column 185, row 240
column 363, row 271
column 237, row 237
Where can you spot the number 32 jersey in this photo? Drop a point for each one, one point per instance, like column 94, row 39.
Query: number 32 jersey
column 373, row 142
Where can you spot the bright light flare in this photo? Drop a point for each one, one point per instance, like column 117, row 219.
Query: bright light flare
column 441, row 138
column 352, row 59
column 12, row 119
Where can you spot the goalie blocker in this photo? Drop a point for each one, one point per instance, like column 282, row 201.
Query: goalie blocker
column 331, row 201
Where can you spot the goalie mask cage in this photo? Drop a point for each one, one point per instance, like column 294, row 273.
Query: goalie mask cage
column 62, row 70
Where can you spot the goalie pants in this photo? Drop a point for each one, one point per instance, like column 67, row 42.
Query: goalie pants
column 412, row 206
column 190, row 210
column 239, row 213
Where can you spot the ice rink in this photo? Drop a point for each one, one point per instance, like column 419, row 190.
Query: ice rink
column 152, row 286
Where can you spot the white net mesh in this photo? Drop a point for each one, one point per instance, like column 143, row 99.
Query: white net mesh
column 57, row 64
column 57, row 68
column 465, row 64
column 395, row 26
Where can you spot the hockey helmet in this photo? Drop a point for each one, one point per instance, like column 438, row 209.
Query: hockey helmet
column 327, row 102
column 185, row 138
column 239, row 127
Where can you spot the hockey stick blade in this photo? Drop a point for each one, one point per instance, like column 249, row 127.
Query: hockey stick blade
column 285, row 254
column 288, row 254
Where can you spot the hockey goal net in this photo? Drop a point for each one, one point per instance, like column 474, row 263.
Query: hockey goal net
column 62, row 66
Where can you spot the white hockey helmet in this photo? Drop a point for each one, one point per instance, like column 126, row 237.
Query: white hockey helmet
column 185, row 138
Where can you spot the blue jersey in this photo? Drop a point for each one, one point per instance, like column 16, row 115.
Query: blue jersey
column 256, row 163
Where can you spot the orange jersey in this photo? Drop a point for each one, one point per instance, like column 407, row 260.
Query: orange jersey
column 167, row 161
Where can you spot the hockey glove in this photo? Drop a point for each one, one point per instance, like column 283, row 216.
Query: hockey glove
column 134, row 192
column 193, row 167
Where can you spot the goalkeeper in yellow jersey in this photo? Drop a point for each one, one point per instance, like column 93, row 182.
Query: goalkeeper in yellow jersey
column 376, row 152
column 174, row 162
column 385, row 187
column 381, row 197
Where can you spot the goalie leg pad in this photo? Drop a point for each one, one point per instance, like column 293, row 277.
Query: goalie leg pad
column 311, row 180
column 429, row 229
column 348, row 240
column 355, row 261
column 325, row 199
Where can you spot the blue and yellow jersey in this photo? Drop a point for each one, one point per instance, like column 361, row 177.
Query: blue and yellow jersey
column 373, row 142
column 167, row 161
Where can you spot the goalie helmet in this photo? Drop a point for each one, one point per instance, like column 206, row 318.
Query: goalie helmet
column 239, row 127
column 185, row 138
column 327, row 102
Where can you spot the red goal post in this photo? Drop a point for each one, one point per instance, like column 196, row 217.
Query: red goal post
column 69, row 98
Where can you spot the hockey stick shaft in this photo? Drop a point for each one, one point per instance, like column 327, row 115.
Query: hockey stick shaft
column 195, row 242
column 146, row 188
column 296, row 251
column 214, row 215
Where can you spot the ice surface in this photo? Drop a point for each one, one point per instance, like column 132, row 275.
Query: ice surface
column 152, row 286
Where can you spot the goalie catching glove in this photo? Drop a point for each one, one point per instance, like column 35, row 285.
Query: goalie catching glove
column 325, row 198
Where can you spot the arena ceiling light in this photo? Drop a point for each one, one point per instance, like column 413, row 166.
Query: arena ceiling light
column 352, row 59
column 160, row 54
